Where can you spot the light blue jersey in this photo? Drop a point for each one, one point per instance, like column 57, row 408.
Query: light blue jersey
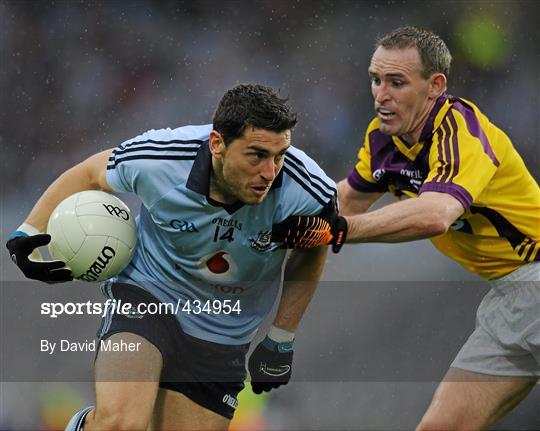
column 193, row 248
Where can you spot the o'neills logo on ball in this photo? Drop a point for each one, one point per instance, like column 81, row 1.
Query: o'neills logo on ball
column 99, row 265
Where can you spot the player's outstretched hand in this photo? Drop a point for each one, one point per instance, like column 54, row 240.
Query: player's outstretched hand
column 311, row 231
column 20, row 247
column 270, row 365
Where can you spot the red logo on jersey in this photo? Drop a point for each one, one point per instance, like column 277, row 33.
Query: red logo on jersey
column 217, row 263
column 218, row 266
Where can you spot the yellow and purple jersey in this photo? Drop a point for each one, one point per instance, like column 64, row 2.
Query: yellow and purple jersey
column 460, row 152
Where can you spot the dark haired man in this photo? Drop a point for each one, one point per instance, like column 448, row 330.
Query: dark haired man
column 472, row 195
column 210, row 195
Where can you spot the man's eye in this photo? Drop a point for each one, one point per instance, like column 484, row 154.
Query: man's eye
column 397, row 83
column 375, row 80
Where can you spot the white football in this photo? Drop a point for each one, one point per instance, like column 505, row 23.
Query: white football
column 94, row 233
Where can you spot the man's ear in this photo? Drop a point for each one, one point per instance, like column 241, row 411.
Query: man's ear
column 216, row 144
column 437, row 85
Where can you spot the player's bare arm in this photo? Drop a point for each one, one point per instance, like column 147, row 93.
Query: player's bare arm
column 302, row 274
column 87, row 175
column 270, row 365
column 429, row 215
column 352, row 201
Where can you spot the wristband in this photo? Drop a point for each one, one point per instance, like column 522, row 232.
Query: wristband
column 279, row 340
column 17, row 234
column 29, row 229
column 25, row 230
column 280, row 335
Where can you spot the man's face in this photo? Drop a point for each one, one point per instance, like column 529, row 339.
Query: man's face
column 400, row 92
column 250, row 164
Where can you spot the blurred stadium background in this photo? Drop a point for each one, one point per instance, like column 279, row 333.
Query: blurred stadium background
column 77, row 77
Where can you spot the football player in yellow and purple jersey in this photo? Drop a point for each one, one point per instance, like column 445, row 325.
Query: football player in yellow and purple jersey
column 462, row 154
column 461, row 183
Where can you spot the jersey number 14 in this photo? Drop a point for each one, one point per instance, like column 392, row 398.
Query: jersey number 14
column 227, row 235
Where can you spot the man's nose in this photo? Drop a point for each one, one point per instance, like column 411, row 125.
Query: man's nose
column 381, row 93
column 269, row 169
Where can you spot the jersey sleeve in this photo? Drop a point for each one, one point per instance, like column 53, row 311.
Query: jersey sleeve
column 147, row 165
column 361, row 177
column 305, row 189
column 461, row 159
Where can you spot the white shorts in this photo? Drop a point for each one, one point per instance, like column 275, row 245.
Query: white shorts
column 506, row 340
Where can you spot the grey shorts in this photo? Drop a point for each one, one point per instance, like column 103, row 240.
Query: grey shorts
column 506, row 340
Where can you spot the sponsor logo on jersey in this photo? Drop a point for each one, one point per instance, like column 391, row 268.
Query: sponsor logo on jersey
column 92, row 274
column 262, row 242
column 218, row 266
column 183, row 226
column 231, row 290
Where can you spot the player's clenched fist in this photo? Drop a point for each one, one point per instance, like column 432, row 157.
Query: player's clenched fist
column 21, row 246
column 270, row 365
column 311, row 231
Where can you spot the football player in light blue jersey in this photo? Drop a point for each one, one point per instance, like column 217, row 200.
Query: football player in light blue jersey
column 210, row 195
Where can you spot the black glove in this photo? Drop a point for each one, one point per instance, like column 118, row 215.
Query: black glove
column 270, row 365
column 21, row 246
column 311, row 231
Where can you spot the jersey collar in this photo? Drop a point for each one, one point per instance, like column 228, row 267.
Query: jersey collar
column 199, row 179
